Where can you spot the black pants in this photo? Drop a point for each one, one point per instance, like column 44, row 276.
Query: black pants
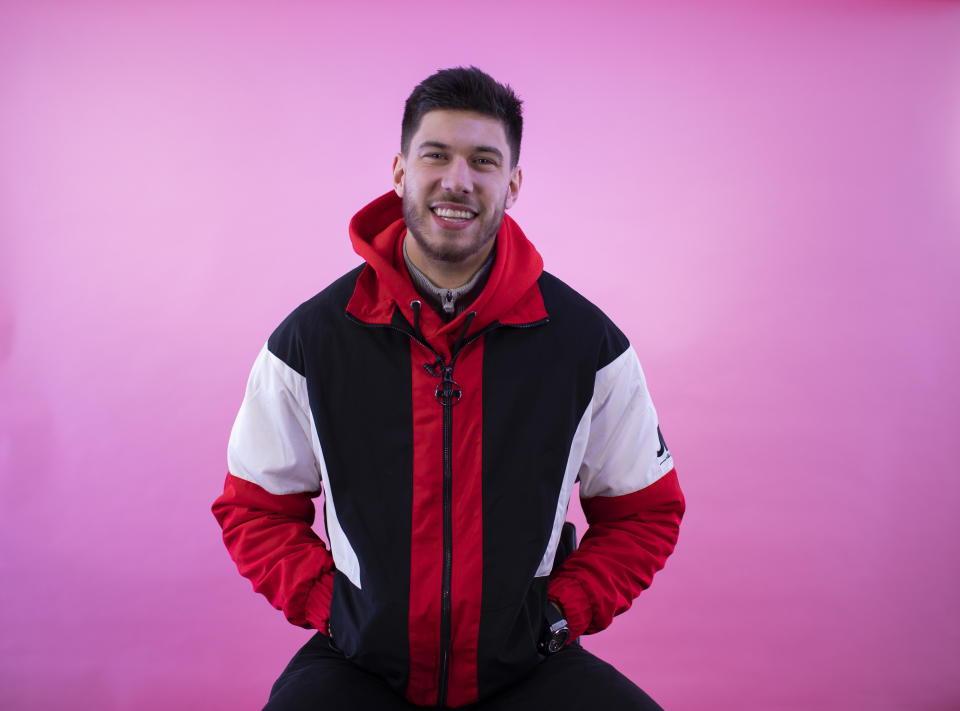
column 321, row 679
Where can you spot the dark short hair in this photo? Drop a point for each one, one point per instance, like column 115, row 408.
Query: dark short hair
column 464, row 89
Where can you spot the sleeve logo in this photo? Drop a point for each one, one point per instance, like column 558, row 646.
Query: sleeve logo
column 663, row 454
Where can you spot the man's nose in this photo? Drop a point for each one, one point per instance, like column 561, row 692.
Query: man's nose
column 457, row 178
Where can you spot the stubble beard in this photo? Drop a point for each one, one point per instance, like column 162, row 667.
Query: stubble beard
column 419, row 221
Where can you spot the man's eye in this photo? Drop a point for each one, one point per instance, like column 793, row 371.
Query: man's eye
column 434, row 156
column 486, row 161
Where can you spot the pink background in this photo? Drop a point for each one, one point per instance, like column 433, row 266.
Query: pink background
column 766, row 200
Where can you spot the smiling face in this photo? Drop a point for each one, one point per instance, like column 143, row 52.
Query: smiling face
column 455, row 182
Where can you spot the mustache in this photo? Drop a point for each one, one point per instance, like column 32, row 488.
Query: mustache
column 454, row 199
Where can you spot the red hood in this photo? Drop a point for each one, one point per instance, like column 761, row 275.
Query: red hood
column 511, row 295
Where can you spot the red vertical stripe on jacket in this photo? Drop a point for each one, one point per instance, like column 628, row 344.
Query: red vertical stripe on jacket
column 467, row 580
column 426, row 544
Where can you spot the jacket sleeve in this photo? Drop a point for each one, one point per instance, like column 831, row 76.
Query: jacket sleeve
column 266, row 510
column 631, row 498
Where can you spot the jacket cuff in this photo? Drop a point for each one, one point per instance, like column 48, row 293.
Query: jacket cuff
column 570, row 596
column 318, row 603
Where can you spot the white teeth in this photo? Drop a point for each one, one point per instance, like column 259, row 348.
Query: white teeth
column 448, row 213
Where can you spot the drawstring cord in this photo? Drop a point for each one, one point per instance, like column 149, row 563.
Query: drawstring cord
column 440, row 369
column 415, row 305
column 463, row 334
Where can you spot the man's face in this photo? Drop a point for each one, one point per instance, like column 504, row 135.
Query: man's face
column 455, row 182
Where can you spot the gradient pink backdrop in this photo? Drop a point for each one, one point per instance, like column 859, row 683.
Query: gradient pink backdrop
column 766, row 199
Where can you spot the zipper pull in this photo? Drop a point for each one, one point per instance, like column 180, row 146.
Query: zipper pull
column 449, row 302
column 448, row 392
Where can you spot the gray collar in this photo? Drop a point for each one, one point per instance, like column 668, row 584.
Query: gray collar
column 448, row 303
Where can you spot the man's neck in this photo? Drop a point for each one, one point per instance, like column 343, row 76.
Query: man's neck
column 446, row 275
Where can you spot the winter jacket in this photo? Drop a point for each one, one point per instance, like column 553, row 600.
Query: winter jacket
column 446, row 454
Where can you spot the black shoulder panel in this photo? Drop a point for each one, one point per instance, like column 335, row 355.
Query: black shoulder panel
column 584, row 315
column 287, row 340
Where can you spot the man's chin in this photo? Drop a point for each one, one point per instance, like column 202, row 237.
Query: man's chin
column 452, row 257
column 448, row 255
column 450, row 248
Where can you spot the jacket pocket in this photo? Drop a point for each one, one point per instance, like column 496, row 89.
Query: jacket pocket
column 509, row 639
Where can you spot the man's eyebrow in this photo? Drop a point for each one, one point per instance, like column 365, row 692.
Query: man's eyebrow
column 434, row 144
column 490, row 149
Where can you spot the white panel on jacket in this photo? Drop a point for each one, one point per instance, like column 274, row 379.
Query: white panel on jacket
column 624, row 452
column 344, row 557
column 274, row 444
column 577, row 447
column 270, row 444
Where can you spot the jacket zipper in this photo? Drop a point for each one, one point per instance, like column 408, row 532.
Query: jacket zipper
column 447, row 391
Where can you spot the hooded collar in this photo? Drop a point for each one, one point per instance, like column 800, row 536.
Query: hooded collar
column 510, row 297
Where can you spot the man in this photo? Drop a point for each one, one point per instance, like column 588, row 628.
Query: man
column 445, row 396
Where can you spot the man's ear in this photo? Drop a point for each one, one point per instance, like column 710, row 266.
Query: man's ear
column 513, row 189
column 399, row 167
